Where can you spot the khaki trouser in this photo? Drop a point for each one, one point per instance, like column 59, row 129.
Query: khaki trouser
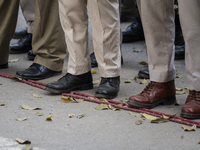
column 104, row 17
column 48, row 41
column 158, row 23
column 28, row 10
column 8, row 15
column 48, row 37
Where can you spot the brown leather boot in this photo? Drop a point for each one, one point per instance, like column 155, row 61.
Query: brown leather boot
column 191, row 108
column 154, row 94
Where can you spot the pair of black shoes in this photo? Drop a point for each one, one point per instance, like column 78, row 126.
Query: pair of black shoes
column 108, row 88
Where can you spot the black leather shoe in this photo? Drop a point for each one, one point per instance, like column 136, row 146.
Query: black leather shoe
column 36, row 72
column 144, row 73
column 94, row 61
column 23, row 45
column 180, row 52
column 20, row 33
column 30, row 55
column 4, row 66
column 108, row 88
column 71, row 82
column 134, row 32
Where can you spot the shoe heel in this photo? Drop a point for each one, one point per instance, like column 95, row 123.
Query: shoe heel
column 169, row 100
column 87, row 86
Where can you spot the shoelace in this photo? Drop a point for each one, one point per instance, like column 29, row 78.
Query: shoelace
column 194, row 95
column 148, row 88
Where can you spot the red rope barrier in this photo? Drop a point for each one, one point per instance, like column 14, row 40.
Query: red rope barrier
column 84, row 96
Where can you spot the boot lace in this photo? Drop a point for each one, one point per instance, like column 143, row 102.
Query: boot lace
column 194, row 95
column 148, row 88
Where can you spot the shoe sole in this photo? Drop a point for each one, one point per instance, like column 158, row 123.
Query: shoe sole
column 142, row 76
column 39, row 78
column 105, row 96
column 165, row 101
column 80, row 87
column 190, row 116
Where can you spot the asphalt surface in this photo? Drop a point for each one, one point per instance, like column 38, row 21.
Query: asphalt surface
column 98, row 129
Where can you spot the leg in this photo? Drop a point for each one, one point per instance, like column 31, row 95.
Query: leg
column 159, row 30
column 190, row 22
column 48, row 44
column 105, row 21
column 25, row 43
column 74, row 21
column 9, row 9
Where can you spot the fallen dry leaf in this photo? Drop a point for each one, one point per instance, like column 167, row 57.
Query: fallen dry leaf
column 149, row 117
column 22, row 119
column 179, row 76
column 78, row 100
column 159, row 120
column 13, row 60
column 177, row 103
column 143, row 63
column 103, row 100
column 137, row 51
column 101, row 107
column 71, row 115
column 182, row 91
column 187, row 128
column 163, row 119
column 2, row 104
column 0, row 84
column 96, row 82
column 113, row 108
column 39, row 114
column 66, row 99
column 138, row 122
column 80, row 116
column 65, row 68
column 16, row 78
column 136, row 79
column 198, row 142
column 128, row 81
column 93, row 71
column 50, row 118
column 37, row 96
column 29, row 108
column 28, row 147
column 20, row 141
column 143, row 81
column 135, row 114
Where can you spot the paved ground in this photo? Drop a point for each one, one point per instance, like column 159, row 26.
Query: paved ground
column 99, row 129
